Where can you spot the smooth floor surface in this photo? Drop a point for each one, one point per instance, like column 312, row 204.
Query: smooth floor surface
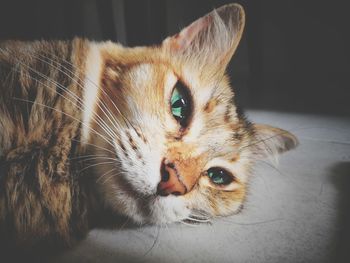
column 296, row 212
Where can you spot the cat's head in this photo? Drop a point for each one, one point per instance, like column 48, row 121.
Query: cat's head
column 174, row 143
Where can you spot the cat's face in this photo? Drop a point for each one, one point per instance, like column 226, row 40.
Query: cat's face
column 179, row 147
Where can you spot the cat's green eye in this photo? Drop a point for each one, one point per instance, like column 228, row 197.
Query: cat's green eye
column 219, row 176
column 180, row 103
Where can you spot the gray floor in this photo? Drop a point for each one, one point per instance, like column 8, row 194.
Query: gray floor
column 297, row 212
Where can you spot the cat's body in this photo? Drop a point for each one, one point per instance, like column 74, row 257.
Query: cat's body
column 151, row 133
column 41, row 191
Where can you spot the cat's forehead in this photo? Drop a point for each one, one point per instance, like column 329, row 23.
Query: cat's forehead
column 162, row 74
column 212, row 97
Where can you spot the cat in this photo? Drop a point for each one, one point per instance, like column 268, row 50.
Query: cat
column 150, row 133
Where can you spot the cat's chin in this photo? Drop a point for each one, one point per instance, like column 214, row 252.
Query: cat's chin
column 161, row 210
column 168, row 209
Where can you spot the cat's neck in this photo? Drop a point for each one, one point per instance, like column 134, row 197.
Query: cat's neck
column 92, row 90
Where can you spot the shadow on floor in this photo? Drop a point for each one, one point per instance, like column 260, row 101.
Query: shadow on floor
column 340, row 177
column 43, row 253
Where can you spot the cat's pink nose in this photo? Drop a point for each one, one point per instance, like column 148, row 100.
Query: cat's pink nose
column 170, row 181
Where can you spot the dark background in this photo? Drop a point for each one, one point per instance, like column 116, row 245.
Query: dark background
column 294, row 55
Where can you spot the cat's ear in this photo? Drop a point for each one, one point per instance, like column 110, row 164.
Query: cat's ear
column 271, row 141
column 211, row 39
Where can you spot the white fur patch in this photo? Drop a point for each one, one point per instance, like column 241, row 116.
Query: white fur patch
column 91, row 87
column 169, row 209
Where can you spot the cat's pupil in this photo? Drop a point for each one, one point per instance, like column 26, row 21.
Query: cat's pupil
column 178, row 108
column 180, row 104
column 219, row 176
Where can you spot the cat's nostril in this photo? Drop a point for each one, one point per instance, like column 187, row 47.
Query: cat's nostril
column 164, row 173
column 165, row 176
column 170, row 165
column 170, row 182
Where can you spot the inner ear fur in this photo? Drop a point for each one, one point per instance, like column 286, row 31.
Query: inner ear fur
column 271, row 141
column 212, row 39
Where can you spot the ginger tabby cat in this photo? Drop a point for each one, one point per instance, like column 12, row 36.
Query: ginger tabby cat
column 150, row 133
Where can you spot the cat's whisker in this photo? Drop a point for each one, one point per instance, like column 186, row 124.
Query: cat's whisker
column 125, row 223
column 45, row 77
column 107, row 130
column 121, row 172
column 94, row 145
column 114, row 122
column 79, row 121
column 154, row 242
column 103, row 175
column 271, row 165
column 103, row 125
column 87, row 78
column 110, row 177
column 52, row 89
column 263, row 140
column 188, row 222
column 198, row 220
column 93, row 165
column 86, row 156
column 203, row 217
column 97, row 158
column 198, row 215
column 117, row 162
column 102, row 107
column 251, row 223
column 34, row 102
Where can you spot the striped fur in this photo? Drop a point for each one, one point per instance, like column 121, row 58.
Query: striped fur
column 85, row 126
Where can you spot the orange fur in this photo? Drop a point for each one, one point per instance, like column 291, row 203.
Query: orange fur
column 98, row 143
